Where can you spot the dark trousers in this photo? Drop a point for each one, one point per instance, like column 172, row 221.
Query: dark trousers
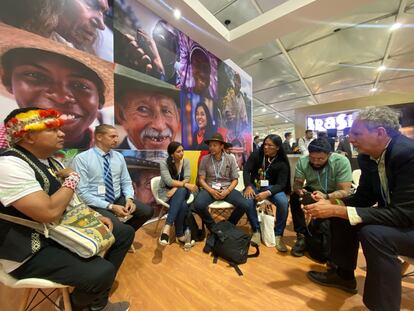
column 178, row 210
column 141, row 215
column 381, row 246
column 204, row 199
column 92, row 278
column 298, row 217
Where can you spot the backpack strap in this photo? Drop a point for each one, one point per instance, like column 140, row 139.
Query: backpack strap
column 231, row 264
column 257, row 253
column 236, row 267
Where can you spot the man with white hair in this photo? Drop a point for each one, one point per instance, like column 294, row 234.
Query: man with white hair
column 386, row 231
column 147, row 110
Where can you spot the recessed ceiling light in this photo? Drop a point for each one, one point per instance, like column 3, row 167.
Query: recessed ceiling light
column 177, row 14
column 395, row 26
column 264, row 109
column 374, row 89
column 381, row 68
column 286, row 121
column 277, row 116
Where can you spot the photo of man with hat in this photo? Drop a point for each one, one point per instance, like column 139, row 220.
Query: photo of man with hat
column 147, row 109
column 218, row 177
column 44, row 74
column 141, row 172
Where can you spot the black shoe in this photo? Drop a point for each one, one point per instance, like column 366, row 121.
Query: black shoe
column 298, row 250
column 332, row 279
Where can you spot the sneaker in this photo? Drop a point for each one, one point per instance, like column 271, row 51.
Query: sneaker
column 280, row 244
column 184, row 244
column 332, row 279
column 298, row 250
column 255, row 238
column 117, row 306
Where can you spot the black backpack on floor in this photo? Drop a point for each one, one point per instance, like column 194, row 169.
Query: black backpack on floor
column 318, row 240
column 230, row 243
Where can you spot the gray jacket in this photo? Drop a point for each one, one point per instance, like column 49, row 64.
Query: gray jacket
column 166, row 178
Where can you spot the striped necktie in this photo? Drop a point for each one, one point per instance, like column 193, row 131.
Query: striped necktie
column 109, row 188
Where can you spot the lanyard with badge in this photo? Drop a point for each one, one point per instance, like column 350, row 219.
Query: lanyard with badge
column 265, row 182
column 324, row 189
column 101, row 187
column 215, row 184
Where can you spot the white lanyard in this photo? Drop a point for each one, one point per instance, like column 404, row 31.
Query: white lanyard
column 217, row 174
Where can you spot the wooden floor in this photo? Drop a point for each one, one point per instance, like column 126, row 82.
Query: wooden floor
column 155, row 278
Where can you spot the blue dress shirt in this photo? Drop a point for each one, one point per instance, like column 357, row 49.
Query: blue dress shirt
column 89, row 165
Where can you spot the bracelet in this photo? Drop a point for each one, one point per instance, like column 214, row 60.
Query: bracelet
column 339, row 202
column 71, row 181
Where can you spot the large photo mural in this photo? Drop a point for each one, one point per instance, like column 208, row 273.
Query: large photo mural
column 118, row 63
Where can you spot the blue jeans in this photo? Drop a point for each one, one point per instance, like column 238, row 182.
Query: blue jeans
column 282, row 205
column 178, row 210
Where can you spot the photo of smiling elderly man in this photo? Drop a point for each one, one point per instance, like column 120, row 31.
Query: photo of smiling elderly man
column 147, row 109
column 41, row 73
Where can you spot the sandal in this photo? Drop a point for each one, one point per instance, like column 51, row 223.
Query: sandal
column 164, row 239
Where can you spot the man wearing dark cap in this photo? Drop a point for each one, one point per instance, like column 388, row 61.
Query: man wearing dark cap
column 326, row 174
column 218, row 176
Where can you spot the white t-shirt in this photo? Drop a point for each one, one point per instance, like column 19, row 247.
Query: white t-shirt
column 17, row 181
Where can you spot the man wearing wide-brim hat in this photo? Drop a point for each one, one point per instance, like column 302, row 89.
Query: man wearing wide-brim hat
column 147, row 109
column 218, row 176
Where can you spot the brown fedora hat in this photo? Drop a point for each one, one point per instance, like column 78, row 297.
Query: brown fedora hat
column 216, row 137
column 13, row 38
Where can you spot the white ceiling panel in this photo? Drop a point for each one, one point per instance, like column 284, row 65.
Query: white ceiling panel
column 270, row 72
column 266, row 5
column 353, row 92
column 362, row 44
column 292, row 104
column 215, row 5
column 399, row 66
column 255, row 55
column 270, row 119
column 282, row 92
column 346, row 77
column 404, row 37
column 238, row 13
column 289, row 113
column 404, row 85
column 365, row 13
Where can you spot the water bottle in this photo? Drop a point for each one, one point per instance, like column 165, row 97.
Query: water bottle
column 187, row 235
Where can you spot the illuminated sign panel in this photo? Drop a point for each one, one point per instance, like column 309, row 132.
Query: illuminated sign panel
column 322, row 123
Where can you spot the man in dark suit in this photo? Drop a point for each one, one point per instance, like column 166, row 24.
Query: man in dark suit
column 347, row 149
column 385, row 232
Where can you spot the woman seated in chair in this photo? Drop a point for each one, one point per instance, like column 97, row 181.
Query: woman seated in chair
column 175, row 190
column 267, row 176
